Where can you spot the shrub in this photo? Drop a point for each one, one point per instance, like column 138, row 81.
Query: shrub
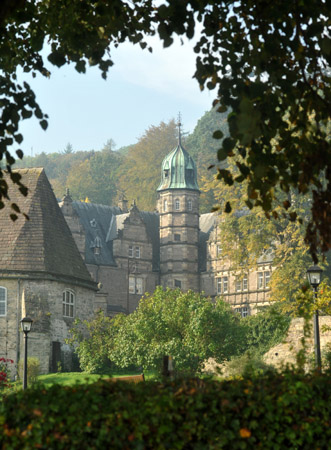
column 4, row 372
column 33, row 369
column 276, row 411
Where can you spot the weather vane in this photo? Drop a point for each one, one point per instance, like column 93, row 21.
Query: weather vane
column 179, row 125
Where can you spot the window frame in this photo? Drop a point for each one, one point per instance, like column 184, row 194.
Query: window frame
column 130, row 251
column 177, row 204
column 189, row 205
column 267, row 276
column 137, row 251
column 4, row 301
column 177, row 237
column 222, row 285
column 260, row 280
column 136, row 285
column 177, row 283
column 68, row 306
column 245, row 283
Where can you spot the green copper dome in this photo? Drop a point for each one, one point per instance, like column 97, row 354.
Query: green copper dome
column 178, row 170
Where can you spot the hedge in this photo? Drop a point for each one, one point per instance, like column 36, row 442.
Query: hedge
column 277, row 411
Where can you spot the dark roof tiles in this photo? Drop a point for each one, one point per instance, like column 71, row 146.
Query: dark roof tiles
column 44, row 243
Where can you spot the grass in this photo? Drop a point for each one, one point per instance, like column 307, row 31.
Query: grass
column 72, row 378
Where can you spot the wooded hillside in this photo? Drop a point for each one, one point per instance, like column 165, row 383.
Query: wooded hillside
column 101, row 176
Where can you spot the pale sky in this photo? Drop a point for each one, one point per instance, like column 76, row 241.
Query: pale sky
column 142, row 89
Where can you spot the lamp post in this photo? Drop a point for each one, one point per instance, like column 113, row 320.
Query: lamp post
column 314, row 278
column 26, row 328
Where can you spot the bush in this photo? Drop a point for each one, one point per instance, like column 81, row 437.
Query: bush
column 33, row 369
column 4, row 372
column 276, row 411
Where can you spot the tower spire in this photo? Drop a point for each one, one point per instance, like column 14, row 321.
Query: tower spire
column 179, row 124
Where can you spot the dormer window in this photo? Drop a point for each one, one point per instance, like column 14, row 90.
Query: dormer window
column 177, row 204
column 189, row 173
column 93, row 223
column 166, row 173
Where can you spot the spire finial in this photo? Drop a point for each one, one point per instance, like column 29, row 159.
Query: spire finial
column 179, row 124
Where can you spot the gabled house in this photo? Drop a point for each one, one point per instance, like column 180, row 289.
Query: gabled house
column 42, row 276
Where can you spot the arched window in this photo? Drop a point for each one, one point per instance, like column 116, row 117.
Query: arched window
column 177, row 204
column 68, row 303
column 189, row 205
column 3, row 301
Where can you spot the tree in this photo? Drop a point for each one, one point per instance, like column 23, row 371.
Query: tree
column 187, row 326
column 268, row 63
column 141, row 172
column 68, row 149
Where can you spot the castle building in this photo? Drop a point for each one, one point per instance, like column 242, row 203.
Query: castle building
column 129, row 252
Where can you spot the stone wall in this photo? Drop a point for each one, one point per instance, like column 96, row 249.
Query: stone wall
column 285, row 353
column 41, row 300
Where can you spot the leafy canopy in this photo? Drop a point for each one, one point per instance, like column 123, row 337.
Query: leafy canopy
column 267, row 61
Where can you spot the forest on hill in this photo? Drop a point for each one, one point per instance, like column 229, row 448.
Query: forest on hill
column 102, row 176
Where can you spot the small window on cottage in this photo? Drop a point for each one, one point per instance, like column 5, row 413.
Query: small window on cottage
column 177, row 204
column 177, row 237
column 3, row 301
column 130, row 251
column 165, row 206
column 178, row 284
column 137, row 251
column 189, row 205
column 68, row 303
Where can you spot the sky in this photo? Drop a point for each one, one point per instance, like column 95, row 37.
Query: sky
column 142, row 89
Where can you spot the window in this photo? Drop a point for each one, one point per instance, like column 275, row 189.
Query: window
column 260, row 280
column 263, row 280
column 134, row 252
column 177, row 204
column 242, row 311
column 166, row 173
column 266, row 279
column 189, row 205
column 135, row 285
column 222, row 285
column 177, row 237
column 3, row 301
column 68, row 303
column 218, row 250
column 178, row 284
column 238, row 285
column 225, row 285
column 165, row 205
column 245, row 283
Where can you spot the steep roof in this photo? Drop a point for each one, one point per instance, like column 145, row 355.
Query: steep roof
column 99, row 223
column 44, row 243
column 207, row 223
column 178, row 170
column 102, row 224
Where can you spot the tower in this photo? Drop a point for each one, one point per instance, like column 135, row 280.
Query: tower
column 178, row 206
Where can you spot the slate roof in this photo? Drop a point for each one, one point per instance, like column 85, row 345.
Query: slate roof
column 102, row 224
column 99, row 224
column 43, row 244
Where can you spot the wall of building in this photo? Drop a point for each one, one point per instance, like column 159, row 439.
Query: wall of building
column 42, row 301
